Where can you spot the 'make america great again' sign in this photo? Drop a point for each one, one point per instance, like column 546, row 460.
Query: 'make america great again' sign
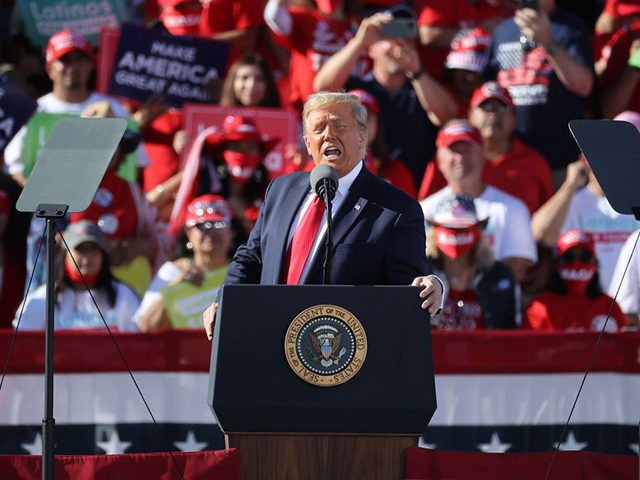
column 178, row 67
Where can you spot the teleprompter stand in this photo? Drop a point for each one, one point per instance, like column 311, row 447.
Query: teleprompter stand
column 286, row 427
column 65, row 178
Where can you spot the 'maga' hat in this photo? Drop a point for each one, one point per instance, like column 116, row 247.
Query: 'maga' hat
column 67, row 41
column 458, row 130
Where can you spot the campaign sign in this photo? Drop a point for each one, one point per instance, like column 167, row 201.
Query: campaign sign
column 274, row 122
column 179, row 67
column 184, row 302
column 109, row 38
column 43, row 18
column 38, row 130
column 15, row 109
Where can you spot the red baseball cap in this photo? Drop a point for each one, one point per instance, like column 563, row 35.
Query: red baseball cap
column 237, row 128
column 208, row 208
column 67, row 41
column 575, row 238
column 458, row 130
column 491, row 90
column 368, row 100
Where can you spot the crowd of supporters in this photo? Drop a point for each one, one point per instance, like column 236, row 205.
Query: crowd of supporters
column 468, row 114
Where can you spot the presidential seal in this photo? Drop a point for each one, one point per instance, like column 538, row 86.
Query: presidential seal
column 325, row 345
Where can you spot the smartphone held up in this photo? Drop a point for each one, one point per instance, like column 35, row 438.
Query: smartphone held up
column 532, row 4
column 403, row 24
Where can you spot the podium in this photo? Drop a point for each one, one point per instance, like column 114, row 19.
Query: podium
column 321, row 381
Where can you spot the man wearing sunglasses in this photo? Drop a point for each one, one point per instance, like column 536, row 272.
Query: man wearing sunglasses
column 511, row 165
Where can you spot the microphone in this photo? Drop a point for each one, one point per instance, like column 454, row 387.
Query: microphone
column 324, row 181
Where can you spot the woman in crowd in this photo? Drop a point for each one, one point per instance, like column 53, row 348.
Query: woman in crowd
column 250, row 83
column 74, row 303
column 209, row 238
column 138, row 241
column 481, row 291
column 574, row 299
column 229, row 163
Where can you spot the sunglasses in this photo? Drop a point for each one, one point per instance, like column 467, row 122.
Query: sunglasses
column 494, row 107
column 572, row 257
column 209, row 226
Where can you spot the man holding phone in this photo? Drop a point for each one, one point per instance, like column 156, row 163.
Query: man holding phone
column 412, row 103
column 543, row 56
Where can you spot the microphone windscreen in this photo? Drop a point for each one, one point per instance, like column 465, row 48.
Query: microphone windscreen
column 320, row 173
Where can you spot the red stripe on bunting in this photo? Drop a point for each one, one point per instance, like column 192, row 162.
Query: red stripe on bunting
column 424, row 464
column 220, row 464
column 499, row 352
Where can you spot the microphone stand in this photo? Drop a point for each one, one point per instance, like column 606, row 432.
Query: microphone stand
column 327, row 197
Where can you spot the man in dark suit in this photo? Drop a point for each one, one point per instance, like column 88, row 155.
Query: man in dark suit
column 378, row 231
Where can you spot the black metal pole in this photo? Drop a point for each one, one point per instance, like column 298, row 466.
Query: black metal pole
column 48, row 422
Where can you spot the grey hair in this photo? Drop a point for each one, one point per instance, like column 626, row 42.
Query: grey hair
column 320, row 99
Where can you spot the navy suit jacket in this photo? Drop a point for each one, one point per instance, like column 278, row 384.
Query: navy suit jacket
column 378, row 236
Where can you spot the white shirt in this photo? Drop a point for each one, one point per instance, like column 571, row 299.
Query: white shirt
column 75, row 309
column 592, row 213
column 49, row 103
column 628, row 297
column 509, row 227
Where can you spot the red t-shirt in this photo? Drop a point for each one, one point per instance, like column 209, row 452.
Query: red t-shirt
column 312, row 41
column 226, row 15
column 494, row 9
column 549, row 312
column 523, row 173
column 399, row 175
column 461, row 311
column 457, row 14
column 113, row 208
column 616, row 54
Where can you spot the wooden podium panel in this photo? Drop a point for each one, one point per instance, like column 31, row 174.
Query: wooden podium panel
column 266, row 456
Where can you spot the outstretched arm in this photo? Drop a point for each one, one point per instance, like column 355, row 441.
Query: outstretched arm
column 336, row 70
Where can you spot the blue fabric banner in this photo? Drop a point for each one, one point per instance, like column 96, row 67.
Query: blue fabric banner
column 15, row 109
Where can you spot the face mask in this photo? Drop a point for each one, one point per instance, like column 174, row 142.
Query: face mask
column 577, row 276
column 455, row 242
column 328, row 6
column 183, row 22
column 241, row 165
column 74, row 275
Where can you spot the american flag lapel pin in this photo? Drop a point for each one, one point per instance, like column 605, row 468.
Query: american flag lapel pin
column 357, row 207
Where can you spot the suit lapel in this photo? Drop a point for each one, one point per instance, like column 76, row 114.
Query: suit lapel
column 350, row 209
column 284, row 213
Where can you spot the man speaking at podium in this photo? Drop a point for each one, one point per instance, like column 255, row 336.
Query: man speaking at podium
column 378, row 231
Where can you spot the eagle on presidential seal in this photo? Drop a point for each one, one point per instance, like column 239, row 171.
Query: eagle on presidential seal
column 326, row 345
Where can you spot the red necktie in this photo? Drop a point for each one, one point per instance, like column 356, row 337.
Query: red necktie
column 303, row 239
